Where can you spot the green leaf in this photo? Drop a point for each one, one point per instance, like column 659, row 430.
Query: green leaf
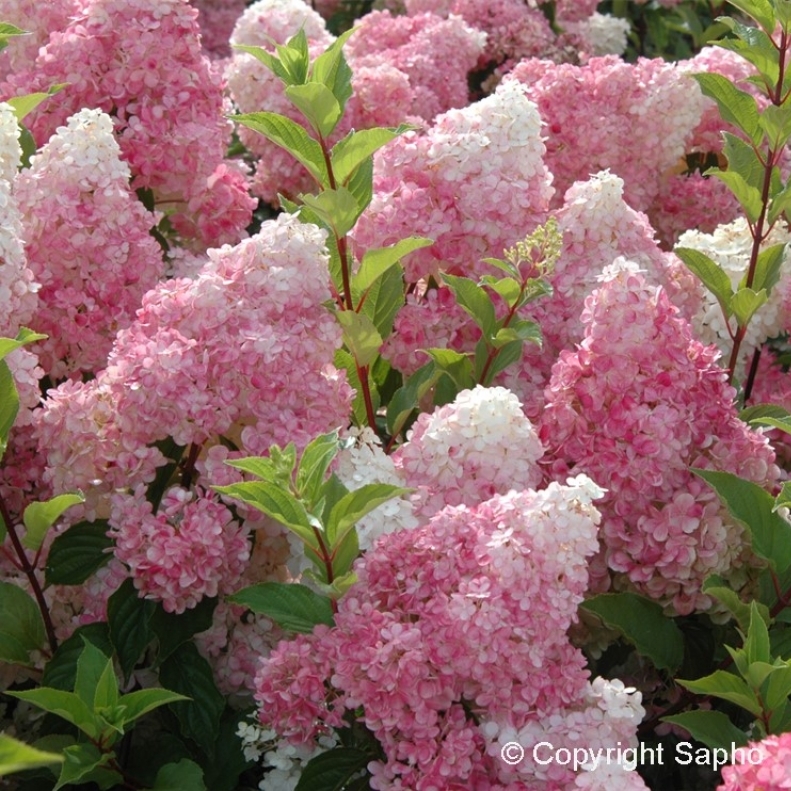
column 39, row 517
column 9, row 408
column 95, row 682
column 519, row 330
column 338, row 208
column 316, row 102
column 332, row 770
column 290, row 136
column 295, row 58
column 753, row 507
column 783, row 424
column 361, row 185
column 9, row 31
column 24, row 336
column 61, row 671
column 22, row 105
column 345, row 361
column 475, row 301
column 507, row 287
column 128, row 616
column 745, row 302
column 293, row 607
column 777, row 687
column 360, row 336
column 775, row 120
column 76, row 554
column 712, row 728
column 331, row 69
column 282, row 506
column 748, row 196
column 406, row 398
column 142, row 701
column 783, row 500
column 262, row 467
column 780, row 204
column 752, row 414
column 67, row 705
column 376, row 262
column 506, row 355
column 17, row 756
column 456, row 365
column 715, row 586
column 84, row 763
column 383, row 299
column 172, row 630
column 759, row 10
column 757, row 644
column 185, row 671
column 743, row 159
column 270, row 61
column 755, row 47
column 21, row 625
column 767, row 268
column 357, row 147
column 641, row 622
column 710, row 273
column 185, row 775
column 315, row 462
column 727, row 686
column 736, row 106
column 355, row 505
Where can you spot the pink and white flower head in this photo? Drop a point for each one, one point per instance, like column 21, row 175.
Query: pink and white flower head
column 475, row 183
column 88, row 243
column 167, row 107
column 190, row 549
column 637, row 404
column 466, row 452
column 468, row 612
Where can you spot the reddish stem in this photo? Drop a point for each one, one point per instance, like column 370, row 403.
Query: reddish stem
column 29, row 571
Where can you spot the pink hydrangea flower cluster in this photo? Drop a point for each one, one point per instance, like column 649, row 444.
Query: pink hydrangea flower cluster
column 39, row 20
column 244, row 348
column 419, row 47
column 635, row 119
column 466, row 614
column 636, row 405
column 771, row 773
column 191, row 548
column 167, row 109
column 466, row 452
column 88, row 244
column 475, row 183
column 217, row 19
column 513, row 29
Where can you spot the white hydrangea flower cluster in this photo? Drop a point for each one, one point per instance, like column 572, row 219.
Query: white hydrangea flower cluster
column 86, row 145
column 10, row 152
column 283, row 760
column 603, row 34
column 466, row 452
column 363, row 463
column 730, row 246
